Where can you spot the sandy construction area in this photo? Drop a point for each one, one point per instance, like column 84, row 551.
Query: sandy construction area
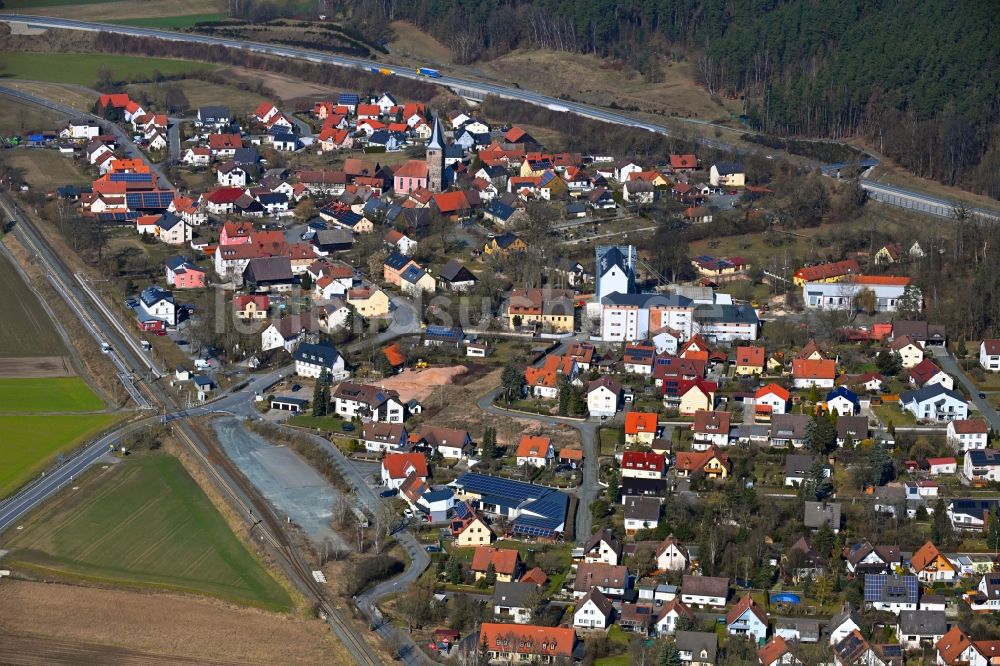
column 38, row 366
column 167, row 625
column 420, row 384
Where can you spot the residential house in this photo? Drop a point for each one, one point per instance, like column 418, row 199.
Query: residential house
column 524, row 643
column 934, row 403
column 750, row 360
column 987, row 593
column 669, row 617
column 158, row 305
column 514, row 601
column 640, row 428
column 453, row 276
column 399, row 242
column 930, row 566
column 368, row 302
column 945, row 465
column 505, row 562
column 551, row 309
column 610, row 579
column 532, row 510
column 182, row 274
column 807, row 373
column 863, row 558
column 851, row 430
column 604, row 396
column 643, row 465
column 384, row 437
column 414, row 281
column 395, row 265
column 697, row 648
column 926, row 373
column 593, row 611
column 272, row 274
column 832, row 272
column 747, row 619
column 968, row 434
column 604, row 547
column 769, row 401
column 893, row 593
column 448, row 442
column 817, row 514
column 694, row 395
column 368, row 402
column 727, row 174
column 672, row 556
column 778, row 652
column 956, row 648
column 704, row 591
column 535, row 451
column 916, row 629
column 639, row 359
column 710, row 428
column 288, row 332
column 469, row 528
column 843, row 624
column 251, row 306
column 640, row 513
column 989, row 354
column 981, row 466
column 789, row 430
column 910, row 351
column 396, row 467
column 798, row 468
column 312, row 360
column 842, row 401
column 713, row 463
column 545, row 381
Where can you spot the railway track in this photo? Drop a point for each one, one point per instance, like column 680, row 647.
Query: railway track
column 264, row 524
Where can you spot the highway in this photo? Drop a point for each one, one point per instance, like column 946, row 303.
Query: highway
column 477, row 90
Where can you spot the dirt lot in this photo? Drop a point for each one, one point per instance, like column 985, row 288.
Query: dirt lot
column 161, row 624
column 420, row 384
column 454, row 406
column 39, row 366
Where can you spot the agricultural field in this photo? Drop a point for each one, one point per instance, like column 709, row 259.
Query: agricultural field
column 47, row 169
column 25, row 329
column 83, row 68
column 145, row 523
column 20, row 118
column 31, row 443
column 115, row 11
column 47, row 394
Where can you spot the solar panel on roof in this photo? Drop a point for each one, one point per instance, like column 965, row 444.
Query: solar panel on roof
column 130, row 177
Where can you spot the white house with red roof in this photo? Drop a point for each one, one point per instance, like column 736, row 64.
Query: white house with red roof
column 770, row 400
column 968, row 434
column 643, row 465
column 989, row 354
column 535, row 451
column 396, row 467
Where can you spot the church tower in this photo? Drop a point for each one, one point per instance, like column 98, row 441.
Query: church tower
column 435, row 158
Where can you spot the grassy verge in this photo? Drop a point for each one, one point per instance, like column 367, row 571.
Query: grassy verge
column 82, row 68
column 47, row 394
column 888, row 412
column 177, row 22
column 146, row 524
column 25, row 329
column 30, row 443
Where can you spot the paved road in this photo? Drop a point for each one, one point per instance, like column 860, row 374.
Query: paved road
column 589, row 487
column 950, row 365
column 474, row 89
column 129, row 149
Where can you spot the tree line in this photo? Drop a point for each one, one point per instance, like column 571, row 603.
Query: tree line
column 918, row 79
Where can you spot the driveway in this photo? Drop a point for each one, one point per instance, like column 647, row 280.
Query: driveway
column 950, row 365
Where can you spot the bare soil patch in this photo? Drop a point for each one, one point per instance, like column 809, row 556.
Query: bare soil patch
column 32, row 651
column 39, row 366
column 282, row 87
column 58, row 92
column 420, row 384
column 455, row 406
column 162, row 624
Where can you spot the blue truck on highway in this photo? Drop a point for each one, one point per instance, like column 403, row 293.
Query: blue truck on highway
column 427, row 71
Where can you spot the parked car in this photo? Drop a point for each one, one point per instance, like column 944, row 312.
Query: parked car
column 432, row 549
column 408, row 513
column 391, row 492
column 347, row 427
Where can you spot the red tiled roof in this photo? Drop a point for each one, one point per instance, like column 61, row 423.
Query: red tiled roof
column 528, row 639
column 808, row 369
column 683, row 161
column 752, row 356
column 533, row 447
column 970, row 426
column 641, row 460
column 639, row 422
column 399, row 465
column 504, row 560
column 780, row 391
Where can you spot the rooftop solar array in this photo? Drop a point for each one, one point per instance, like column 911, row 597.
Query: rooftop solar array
column 155, row 199
column 881, row 587
column 128, row 177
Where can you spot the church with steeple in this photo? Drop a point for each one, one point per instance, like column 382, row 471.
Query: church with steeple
column 435, row 158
